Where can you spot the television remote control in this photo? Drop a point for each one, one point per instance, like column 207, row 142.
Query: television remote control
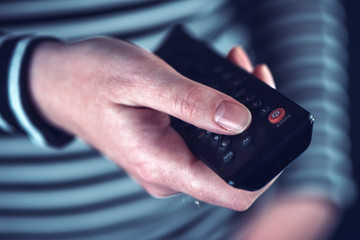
column 280, row 129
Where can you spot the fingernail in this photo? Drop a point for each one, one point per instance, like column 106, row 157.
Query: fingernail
column 233, row 117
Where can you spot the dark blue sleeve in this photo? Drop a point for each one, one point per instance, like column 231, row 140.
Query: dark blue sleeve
column 18, row 114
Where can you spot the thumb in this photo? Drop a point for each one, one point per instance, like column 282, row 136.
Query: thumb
column 152, row 83
column 199, row 105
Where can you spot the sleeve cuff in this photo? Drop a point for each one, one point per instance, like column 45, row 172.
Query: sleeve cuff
column 24, row 110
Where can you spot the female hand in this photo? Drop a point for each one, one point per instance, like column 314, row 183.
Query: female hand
column 118, row 98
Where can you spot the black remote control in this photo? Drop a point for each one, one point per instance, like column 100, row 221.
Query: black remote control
column 280, row 129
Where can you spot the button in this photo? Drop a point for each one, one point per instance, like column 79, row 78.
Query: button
column 277, row 115
column 227, row 76
column 224, row 145
column 228, row 157
column 245, row 141
column 218, row 70
column 256, row 104
column 264, row 110
column 240, row 93
column 208, row 134
column 237, row 83
column 249, row 98
column 203, row 135
column 215, row 139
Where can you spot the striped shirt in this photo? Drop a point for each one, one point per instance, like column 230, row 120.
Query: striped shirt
column 74, row 192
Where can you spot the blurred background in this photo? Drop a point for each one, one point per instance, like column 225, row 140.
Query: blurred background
column 350, row 227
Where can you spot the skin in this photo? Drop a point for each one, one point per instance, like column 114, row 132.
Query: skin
column 118, row 98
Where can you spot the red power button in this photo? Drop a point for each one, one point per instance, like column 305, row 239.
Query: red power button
column 277, row 115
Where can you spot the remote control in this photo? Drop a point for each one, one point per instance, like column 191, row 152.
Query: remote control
column 280, row 129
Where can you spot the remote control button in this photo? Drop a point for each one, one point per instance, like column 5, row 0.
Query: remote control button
column 237, row 83
column 256, row 104
column 215, row 140
column 249, row 98
column 224, row 145
column 277, row 115
column 227, row 76
column 208, row 134
column 202, row 134
column 246, row 141
column 228, row 157
column 218, row 70
column 264, row 110
column 240, row 93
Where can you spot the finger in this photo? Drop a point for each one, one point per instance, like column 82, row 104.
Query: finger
column 156, row 190
column 203, row 107
column 239, row 57
column 194, row 103
column 206, row 186
column 184, row 173
column 262, row 71
column 175, row 169
column 150, row 82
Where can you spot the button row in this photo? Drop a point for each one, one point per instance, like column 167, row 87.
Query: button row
column 220, row 142
column 249, row 99
column 223, row 143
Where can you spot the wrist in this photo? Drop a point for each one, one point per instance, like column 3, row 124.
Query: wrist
column 39, row 89
column 40, row 70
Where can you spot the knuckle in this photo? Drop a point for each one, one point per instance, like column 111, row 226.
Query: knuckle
column 146, row 174
column 149, row 173
column 188, row 101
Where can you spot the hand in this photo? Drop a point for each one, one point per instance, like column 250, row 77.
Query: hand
column 117, row 97
column 289, row 218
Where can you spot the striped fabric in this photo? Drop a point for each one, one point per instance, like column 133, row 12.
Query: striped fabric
column 305, row 47
column 74, row 192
